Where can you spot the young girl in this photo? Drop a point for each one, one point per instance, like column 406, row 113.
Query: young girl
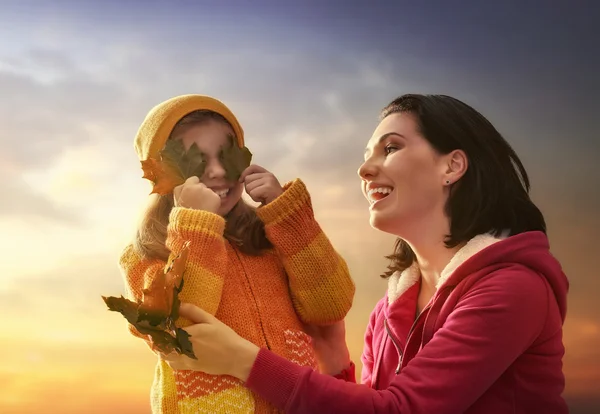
column 472, row 320
column 264, row 272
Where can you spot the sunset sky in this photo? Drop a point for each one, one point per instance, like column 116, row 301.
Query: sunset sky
column 306, row 82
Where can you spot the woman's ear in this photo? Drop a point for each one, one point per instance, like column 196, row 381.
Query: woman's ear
column 457, row 164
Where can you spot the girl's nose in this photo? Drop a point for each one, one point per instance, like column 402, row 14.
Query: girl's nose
column 214, row 169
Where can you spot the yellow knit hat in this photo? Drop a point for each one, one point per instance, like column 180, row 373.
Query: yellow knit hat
column 160, row 121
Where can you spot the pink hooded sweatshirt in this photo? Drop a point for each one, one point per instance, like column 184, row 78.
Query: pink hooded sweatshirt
column 488, row 342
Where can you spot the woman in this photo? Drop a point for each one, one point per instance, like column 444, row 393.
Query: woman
column 472, row 320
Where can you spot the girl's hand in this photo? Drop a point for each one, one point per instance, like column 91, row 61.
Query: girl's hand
column 261, row 185
column 218, row 349
column 329, row 344
column 194, row 194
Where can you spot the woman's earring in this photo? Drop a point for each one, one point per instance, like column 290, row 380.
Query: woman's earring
column 447, row 182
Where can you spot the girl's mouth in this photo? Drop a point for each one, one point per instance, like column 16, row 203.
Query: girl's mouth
column 221, row 193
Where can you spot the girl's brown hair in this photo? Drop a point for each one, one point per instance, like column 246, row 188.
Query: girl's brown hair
column 243, row 228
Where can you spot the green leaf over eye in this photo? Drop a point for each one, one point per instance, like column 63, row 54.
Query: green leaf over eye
column 188, row 163
column 234, row 159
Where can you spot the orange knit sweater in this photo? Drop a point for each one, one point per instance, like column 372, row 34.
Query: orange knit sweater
column 265, row 299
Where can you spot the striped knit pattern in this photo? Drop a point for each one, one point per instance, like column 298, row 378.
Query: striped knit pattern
column 265, row 299
column 321, row 287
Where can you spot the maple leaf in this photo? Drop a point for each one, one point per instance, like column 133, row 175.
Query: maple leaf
column 191, row 162
column 174, row 278
column 185, row 346
column 176, row 304
column 126, row 307
column 156, row 314
column 235, row 160
column 164, row 177
column 159, row 296
column 174, row 166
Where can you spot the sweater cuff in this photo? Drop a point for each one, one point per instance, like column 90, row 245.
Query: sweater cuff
column 274, row 378
column 185, row 220
column 294, row 197
column 349, row 374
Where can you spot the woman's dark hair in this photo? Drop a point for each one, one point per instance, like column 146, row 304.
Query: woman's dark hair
column 493, row 194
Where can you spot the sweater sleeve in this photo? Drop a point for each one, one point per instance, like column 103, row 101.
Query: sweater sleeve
column 348, row 374
column 320, row 284
column 481, row 336
column 207, row 261
column 205, row 267
column 137, row 273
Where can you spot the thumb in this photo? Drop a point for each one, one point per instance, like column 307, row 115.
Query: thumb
column 194, row 313
column 192, row 180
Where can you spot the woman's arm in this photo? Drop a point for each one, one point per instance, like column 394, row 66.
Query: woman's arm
column 491, row 326
column 331, row 351
column 478, row 342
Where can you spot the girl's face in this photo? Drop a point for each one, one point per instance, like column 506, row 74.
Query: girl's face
column 403, row 178
column 211, row 137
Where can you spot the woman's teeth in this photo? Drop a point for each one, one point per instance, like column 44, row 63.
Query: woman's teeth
column 378, row 193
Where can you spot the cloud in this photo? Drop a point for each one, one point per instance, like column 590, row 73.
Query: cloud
column 58, row 103
column 77, row 282
column 325, row 98
column 20, row 200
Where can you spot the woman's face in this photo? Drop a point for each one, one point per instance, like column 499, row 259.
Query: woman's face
column 211, row 137
column 403, row 177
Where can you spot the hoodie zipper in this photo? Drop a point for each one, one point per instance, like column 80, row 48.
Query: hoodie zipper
column 416, row 320
column 398, row 349
column 389, row 333
column 262, row 328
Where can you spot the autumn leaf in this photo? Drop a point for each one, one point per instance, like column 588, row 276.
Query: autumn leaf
column 156, row 302
column 126, row 307
column 158, row 296
column 164, row 177
column 175, row 269
column 174, row 166
column 191, row 162
column 163, row 341
column 235, row 159
column 156, row 314
column 176, row 303
column 186, row 348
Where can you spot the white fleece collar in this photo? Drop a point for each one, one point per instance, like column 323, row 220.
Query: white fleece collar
column 400, row 282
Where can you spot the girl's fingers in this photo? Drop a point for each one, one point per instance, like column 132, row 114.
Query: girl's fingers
column 252, row 169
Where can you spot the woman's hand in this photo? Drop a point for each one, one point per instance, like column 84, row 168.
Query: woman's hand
column 261, row 185
column 218, row 349
column 329, row 344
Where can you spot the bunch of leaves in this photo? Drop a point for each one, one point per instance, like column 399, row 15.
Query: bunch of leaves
column 155, row 315
column 173, row 166
column 234, row 159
